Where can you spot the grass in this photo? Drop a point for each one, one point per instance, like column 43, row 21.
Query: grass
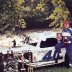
column 55, row 68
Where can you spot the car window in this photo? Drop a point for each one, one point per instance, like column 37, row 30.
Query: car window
column 48, row 43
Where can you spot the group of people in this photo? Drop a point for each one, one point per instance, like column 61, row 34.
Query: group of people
column 65, row 41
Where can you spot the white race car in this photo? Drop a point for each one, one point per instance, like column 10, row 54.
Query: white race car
column 42, row 48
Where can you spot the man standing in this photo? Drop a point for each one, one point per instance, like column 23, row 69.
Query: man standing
column 58, row 47
column 67, row 39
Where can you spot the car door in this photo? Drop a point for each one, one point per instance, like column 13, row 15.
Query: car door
column 47, row 50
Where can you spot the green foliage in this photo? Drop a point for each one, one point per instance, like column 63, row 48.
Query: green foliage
column 27, row 8
column 40, row 6
column 59, row 14
column 47, row 9
column 39, row 9
column 9, row 15
column 22, row 23
column 13, row 12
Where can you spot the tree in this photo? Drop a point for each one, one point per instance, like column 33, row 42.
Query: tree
column 39, row 9
column 54, row 10
column 59, row 14
column 9, row 15
column 69, row 5
column 14, row 12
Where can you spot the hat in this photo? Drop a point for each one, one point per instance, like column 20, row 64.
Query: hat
column 66, row 22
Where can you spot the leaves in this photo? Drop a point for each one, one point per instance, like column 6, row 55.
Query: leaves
column 10, row 14
column 60, row 12
column 13, row 12
column 22, row 23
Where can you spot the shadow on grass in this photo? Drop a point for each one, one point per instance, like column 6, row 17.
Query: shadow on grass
column 54, row 68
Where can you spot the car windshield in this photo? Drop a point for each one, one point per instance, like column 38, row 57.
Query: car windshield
column 48, row 43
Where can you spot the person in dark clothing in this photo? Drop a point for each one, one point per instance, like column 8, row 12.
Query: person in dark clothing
column 67, row 39
column 58, row 47
column 14, row 43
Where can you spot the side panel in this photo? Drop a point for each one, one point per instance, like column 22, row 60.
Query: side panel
column 47, row 54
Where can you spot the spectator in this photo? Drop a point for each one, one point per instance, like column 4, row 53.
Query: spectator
column 14, row 43
column 58, row 47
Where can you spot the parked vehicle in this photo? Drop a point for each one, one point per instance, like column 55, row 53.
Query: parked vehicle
column 42, row 48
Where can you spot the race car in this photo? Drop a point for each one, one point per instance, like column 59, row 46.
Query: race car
column 41, row 45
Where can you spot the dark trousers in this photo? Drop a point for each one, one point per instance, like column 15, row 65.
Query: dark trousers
column 56, row 56
column 58, row 47
column 69, row 52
